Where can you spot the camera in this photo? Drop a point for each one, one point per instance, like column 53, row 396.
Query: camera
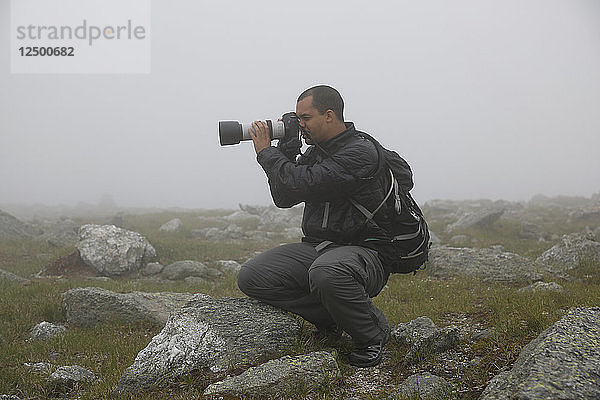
column 286, row 128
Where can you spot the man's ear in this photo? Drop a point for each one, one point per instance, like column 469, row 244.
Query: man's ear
column 329, row 116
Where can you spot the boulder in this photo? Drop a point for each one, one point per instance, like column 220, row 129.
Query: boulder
column 229, row 266
column 561, row 363
column 489, row 265
column 213, row 334
column 424, row 386
column 152, row 268
column 482, row 219
column 425, row 339
column 65, row 378
column 281, row 377
column 11, row 227
column 572, row 250
column 46, row 330
column 10, row 277
column 113, row 251
column 181, row 270
column 173, row 225
column 91, row 306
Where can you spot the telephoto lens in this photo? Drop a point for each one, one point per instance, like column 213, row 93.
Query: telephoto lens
column 233, row 132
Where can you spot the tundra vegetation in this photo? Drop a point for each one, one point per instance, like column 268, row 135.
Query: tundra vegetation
column 496, row 320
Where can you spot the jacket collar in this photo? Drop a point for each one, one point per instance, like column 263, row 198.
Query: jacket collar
column 339, row 140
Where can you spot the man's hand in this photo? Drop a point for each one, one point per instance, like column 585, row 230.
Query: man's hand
column 260, row 136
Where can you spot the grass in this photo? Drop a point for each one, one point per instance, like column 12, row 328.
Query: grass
column 516, row 317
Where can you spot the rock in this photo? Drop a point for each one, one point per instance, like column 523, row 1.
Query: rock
column 153, row 268
column 229, row 265
column 195, row 280
column 230, row 232
column 437, row 342
column 216, row 334
column 572, row 250
column 424, row 338
column 543, row 286
column 293, row 233
column 91, row 306
column 113, row 251
column 11, row 227
column 9, row 397
column 408, row 333
column 63, row 233
column 481, row 219
column 533, row 231
column 40, row 367
column 10, row 277
column 488, row 265
column 561, row 363
column 46, row 330
column 173, row 225
column 65, row 378
column 424, row 386
column 281, row 377
column 277, row 219
column 180, row 270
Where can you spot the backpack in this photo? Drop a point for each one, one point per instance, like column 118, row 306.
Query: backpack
column 407, row 248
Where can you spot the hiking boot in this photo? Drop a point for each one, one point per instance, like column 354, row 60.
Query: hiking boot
column 370, row 355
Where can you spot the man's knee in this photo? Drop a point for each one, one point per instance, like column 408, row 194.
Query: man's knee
column 324, row 278
column 245, row 280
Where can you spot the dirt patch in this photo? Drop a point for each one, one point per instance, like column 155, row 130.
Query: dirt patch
column 69, row 266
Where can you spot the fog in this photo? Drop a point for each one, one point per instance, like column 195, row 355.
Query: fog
column 485, row 99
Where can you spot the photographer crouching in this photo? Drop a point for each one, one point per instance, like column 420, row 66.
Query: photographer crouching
column 329, row 277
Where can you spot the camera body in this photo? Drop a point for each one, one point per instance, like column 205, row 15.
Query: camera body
column 286, row 128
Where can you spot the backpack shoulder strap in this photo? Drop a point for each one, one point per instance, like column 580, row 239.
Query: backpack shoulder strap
column 369, row 214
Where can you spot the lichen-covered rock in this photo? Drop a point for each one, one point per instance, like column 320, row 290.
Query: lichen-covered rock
column 281, row 377
column 65, row 378
column 211, row 333
column 424, row 386
column 180, row 270
column 91, row 306
column 572, row 250
column 113, row 251
column 152, row 268
column 480, row 218
column 408, row 333
column 229, row 265
column 431, row 344
column 489, row 265
column 173, row 225
column 561, row 363
column 46, row 330
column 424, row 338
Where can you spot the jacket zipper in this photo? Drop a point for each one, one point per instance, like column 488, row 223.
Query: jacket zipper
column 325, row 215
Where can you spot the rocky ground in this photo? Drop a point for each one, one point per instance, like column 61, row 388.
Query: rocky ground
column 243, row 348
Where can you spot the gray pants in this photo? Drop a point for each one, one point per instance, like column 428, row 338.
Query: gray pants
column 331, row 287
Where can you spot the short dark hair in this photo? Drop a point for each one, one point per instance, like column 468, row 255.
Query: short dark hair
column 325, row 98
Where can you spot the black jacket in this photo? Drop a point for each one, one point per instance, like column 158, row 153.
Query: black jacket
column 349, row 167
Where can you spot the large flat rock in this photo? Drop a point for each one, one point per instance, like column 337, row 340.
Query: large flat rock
column 214, row 334
column 562, row 363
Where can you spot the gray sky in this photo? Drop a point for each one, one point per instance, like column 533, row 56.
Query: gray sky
column 485, row 99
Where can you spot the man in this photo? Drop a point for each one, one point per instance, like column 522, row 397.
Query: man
column 330, row 277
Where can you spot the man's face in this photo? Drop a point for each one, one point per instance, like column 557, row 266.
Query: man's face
column 311, row 121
